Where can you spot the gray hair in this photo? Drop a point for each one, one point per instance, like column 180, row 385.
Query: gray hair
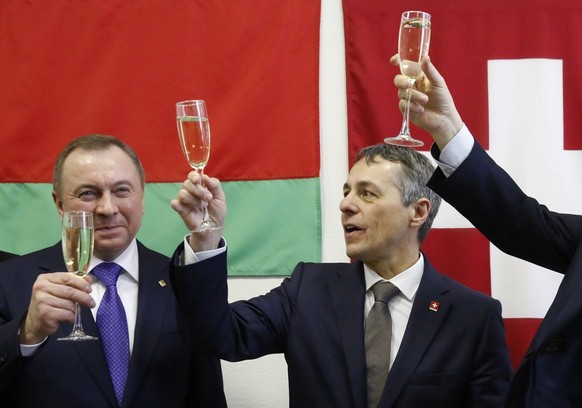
column 93, row 142
column 417, row 169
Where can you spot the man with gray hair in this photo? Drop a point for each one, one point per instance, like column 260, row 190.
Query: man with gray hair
column 155, row 366
column 387, row 330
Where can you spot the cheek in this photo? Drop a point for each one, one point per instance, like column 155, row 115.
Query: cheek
column 133, row 212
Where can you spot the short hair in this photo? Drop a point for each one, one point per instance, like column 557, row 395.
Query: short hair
column 93, row 142
column 412, row 180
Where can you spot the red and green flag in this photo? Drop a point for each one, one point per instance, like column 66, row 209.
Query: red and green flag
column 72, row 68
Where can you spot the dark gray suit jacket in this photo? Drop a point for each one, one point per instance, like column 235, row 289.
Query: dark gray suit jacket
column 454, row 358
column 163, row 370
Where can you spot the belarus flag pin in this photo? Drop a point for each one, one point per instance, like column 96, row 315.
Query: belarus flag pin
column 434, row 306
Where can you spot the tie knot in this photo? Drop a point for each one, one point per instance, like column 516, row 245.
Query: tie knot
column 384, row 291
column 107, row 272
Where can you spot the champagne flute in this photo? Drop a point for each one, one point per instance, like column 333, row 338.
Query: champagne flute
column 413, row 44
column 194, row 132
column 77, row 242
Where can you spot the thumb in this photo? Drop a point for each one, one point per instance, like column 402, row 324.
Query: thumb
column 431, row 73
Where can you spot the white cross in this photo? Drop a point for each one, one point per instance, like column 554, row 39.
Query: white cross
column 526, row 139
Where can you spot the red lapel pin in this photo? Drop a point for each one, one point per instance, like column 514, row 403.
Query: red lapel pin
column 434, row 306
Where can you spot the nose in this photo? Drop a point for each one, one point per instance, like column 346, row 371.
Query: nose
column 347, row 204
column 106, row 205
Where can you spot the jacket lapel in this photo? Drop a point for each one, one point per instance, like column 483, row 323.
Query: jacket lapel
column 348, row 294
column 89, row 352
column 420, row 330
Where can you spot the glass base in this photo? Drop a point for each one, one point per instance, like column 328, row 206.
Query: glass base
column 77, row 335
column 206, row 228
column 405, row 141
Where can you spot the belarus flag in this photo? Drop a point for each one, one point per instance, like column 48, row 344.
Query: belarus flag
column 71, row 68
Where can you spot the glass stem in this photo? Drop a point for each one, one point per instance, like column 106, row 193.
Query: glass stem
column 206, row 217
column 77, row 326
column 405, row 129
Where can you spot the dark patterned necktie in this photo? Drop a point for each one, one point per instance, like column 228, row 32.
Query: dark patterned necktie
column 112, row 324
column 378, row 337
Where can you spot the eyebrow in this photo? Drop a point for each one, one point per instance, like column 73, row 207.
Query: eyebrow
column 360, row 184
column 114, row 185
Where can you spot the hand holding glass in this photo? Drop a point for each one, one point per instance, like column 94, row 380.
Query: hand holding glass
column 77, row 242
column 194, row 132
column 413, row 44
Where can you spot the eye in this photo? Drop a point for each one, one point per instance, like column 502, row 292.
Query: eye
column 123, row 191
column 367, row 194
column 87, row 194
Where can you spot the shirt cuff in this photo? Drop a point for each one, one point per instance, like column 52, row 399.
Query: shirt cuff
column 456, row 151
column 191, row 257
column 29, row 350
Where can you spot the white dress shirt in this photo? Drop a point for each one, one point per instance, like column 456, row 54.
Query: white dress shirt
column 401, row 305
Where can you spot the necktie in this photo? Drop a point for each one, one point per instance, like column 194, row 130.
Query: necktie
column 378, row 336
column 112, row 324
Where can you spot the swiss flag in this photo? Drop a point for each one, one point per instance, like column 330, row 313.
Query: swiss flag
column 514, row 75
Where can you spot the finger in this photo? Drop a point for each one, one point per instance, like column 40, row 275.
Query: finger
column 403, row 82
column 67, row 288
column 67, row 279
column 214, row 186
column 395, row 60
column 430, row 71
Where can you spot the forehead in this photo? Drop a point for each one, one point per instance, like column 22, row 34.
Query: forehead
column 111, row 164
column 381, row 172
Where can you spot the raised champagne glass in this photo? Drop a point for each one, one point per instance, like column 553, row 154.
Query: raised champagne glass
column 77, row 242
column 413, row 44
column 194, row 132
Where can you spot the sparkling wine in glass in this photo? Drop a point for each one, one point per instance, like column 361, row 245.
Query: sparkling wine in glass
column 194, row 132
column 413, row 44
column 77, row 242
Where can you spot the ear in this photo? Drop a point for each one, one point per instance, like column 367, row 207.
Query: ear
column 421, row 208
column 58, row 204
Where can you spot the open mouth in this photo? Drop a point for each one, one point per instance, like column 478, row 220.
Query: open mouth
column 350, row 228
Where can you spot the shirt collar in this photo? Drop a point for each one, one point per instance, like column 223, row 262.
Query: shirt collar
column 128, row 260
column 406, row 281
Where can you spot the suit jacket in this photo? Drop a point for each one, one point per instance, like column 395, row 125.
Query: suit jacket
column 163, row 371
column 455, row 357
column 6, row 255
column 551, row 372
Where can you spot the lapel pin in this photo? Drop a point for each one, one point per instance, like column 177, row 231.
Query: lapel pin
column 162, row 283
column 434, row 306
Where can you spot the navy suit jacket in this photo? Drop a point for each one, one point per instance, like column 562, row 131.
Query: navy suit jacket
column 6, row 255
column 550, row 375
column 455, row 357
column 163, row 371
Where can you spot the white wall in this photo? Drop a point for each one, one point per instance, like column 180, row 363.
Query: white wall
column 262, row 383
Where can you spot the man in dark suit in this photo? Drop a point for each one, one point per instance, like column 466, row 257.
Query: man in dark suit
column 550, row 374
column 447, row 344
column 102, row 175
